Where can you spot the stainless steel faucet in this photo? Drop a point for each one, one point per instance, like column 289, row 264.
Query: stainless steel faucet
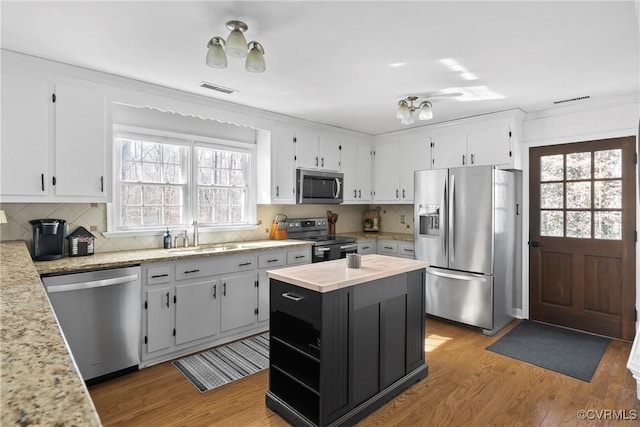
column 195, row 233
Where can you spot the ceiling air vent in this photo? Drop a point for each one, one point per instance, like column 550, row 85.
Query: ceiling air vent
column 222, row 89
column 580, row 98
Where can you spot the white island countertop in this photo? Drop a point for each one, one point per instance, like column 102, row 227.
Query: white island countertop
column 331, row 275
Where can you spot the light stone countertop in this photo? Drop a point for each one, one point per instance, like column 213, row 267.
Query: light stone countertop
column 40, row 382
column 134, row 257
column 379, row 235
column 331, row 275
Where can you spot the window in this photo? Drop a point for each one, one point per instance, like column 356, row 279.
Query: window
column 581, row 195
column 169, row 181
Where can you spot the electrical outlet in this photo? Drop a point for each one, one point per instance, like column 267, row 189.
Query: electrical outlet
column 402, row 219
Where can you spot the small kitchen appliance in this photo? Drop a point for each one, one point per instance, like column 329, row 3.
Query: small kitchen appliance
column 319, row 187
column 326, row 247
column 48, row 239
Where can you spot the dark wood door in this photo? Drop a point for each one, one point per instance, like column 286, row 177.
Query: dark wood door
column 582, row 236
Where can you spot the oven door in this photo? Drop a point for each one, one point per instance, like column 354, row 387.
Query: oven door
column 323, row 253
column 348, row 248
column 319, row 187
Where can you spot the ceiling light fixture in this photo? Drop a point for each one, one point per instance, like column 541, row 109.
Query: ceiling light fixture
column 406, row 109
column 236, row 46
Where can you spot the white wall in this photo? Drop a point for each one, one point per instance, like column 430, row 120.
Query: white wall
column 568, row 125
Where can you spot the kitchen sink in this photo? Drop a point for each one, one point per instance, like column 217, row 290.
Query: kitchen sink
column 221, row 247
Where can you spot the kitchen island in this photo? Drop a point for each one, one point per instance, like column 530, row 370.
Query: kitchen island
column 344, row 341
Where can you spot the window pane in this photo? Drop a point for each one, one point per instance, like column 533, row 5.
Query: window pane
column 151, row 152
column 131, row 195
column 221, row 197
column 152, row 195
column 608, row 164
column 578, row 195
column 205, row 214
column 171, row 154
column 152, row 215
column 608, row 225
column 236, row 178
column 130, row 216
column 131, row 171
column 608, row 194
column 173, row 195
column 578, row 166
column 173, row 174
column 579, row 224
column 151, row 172
column 237, row 214
column 551, row 168
column 552, row 223
column 221, row 177
column 205, row 196
column 131, row 150
column 551, row 196
column 173, row 215
column 221, row 214
column 237, row 197
column 205, row 176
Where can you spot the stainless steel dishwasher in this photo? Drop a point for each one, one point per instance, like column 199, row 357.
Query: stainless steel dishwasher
column 99, row 312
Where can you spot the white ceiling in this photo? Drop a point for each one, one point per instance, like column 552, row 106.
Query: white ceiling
column 330, row 61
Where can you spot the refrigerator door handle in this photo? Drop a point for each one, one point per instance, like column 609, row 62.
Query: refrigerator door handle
column 443, row 213
column 451, row 208
column 465, row 276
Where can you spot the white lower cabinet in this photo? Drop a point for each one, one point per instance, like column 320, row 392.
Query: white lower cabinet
column 396, row 248
column 194, row 304
column 367, row 246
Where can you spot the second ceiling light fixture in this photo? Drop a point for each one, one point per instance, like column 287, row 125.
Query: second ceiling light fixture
column 236, row 46
column 406, row 109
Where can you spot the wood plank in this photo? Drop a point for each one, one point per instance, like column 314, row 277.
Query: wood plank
column 467, row 385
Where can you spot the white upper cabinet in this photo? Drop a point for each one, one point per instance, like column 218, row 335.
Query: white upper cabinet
column 414, row 155
column 494, row 139
column 283, row 166
column 315, row 150
column 80, row 146
column 394, row 166
column 55, row 135
column 356, row 167
column 24, row 148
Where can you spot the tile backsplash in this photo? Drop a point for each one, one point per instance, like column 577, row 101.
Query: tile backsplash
column 93, row 217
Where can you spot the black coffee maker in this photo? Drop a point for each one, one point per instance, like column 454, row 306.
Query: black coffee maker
column 48, row 239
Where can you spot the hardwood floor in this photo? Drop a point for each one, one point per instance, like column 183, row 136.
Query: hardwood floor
column 466, row 386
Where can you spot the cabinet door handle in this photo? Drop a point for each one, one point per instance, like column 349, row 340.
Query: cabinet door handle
column 322, row 162
column 244, row 264
column 214, row 291
column 464, row 159
column 53, row 180
column 191, row 271
column 403, row 193
column 292, row 297
column 397, row 195
column 277, row 191
column 155, row 276
column 355, row 193
column 360, row 194
column 224, row 289
column 316, row 161
column 102, row 184
column 472, row 159
column 42, row 181
column 167, row 299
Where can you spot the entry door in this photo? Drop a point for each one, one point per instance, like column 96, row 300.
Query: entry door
column 582, row 243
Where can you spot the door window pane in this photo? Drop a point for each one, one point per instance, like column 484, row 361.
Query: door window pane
column 552, row 223
column 607, row 194
column 578, row 195
column 551, row 168
column 578, row 166
column 551, row 196
column 608, row 225
column 579, row 224
column 608, row 164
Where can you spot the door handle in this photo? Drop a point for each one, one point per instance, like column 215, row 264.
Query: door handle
column 442, row 217
column 452, row 215
column 224, row 289
column 322, row 162
column 337, row 192
column 360, row 194
column 214, row 291
column 167, row 299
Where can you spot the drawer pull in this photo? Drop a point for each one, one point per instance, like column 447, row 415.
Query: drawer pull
column 388, row 247
column 155, row 276
column 407, row 250
column 300, row 256
column 366, row 247
column 273, row 260
column 191, row 271
column 292, row 297
column 244, row 264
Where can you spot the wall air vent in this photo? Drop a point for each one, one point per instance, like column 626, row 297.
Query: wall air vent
column 580, row 98
column 218, row 88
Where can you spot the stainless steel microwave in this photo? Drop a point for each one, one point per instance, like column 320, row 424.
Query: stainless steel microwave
column 314, row 186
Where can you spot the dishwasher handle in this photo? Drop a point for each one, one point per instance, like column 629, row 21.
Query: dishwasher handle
column 92, row 284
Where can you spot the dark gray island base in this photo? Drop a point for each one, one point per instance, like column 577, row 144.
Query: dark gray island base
column 339, row 355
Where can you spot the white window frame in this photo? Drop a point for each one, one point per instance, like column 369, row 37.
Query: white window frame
column 190, row 141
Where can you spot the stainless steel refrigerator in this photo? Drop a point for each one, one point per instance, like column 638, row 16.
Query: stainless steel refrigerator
column 465, row 228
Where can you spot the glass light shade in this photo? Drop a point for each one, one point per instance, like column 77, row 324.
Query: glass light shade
column 403, row 111
column 425, row 111
column 216, row 57
column 407, row 121
column 236, row 46
column 255, row 59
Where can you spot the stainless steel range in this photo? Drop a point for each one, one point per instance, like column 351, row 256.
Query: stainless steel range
column 326, row 247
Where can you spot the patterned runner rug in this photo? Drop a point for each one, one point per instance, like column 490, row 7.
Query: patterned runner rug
column 222, row 365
